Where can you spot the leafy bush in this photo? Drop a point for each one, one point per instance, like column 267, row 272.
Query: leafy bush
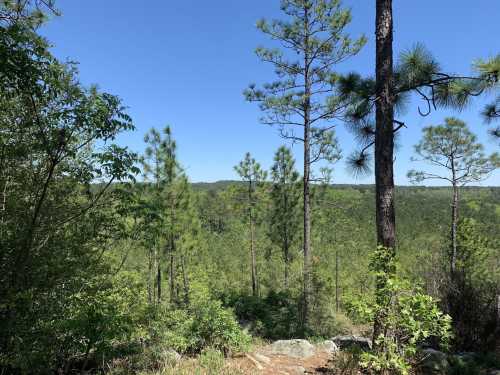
column 204, row 324
column 473, row 364
column 408, row 318
column 91, row 324
column 273, row 317
column 209, row 362
column 216, row 327
column 102, row 314
column 170, row 329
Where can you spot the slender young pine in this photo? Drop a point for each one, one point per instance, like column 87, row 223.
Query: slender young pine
column 160, row 168
column 285, row 196
column 251, row 172
column 454, row 149
column 304, row 98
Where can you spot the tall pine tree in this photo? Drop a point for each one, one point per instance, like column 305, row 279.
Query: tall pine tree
column 253, row 175
column 160, row 169
column 304, row 97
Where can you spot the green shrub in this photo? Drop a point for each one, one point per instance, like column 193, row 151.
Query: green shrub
column 170, row 329
column 216, row 327
column 473, row 364
column 205, row 324
column 273, row 317
column 407, row 317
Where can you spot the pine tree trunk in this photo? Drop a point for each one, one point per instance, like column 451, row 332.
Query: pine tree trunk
column 384, row 136
column 337, row 300
column 171, row 280
column 158, row 281
column 307, row 231
column 255, row 288
column 307, row 165
column 286, row 245
column 454, row 225
column 173, row 294
column 153, row 272
column 497, row 343
column 150, row 276
column 185, row 281
column 286, row 257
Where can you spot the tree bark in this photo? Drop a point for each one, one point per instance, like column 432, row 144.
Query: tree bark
column 255, row 287
column 307, row 166
column 286, row 257
column 158, row 281
column 150, row 276
column 153, row 273
column 337, row 300
column 185, row 281
column 384, row 136
column 454, row 225
column 497, row 344
column 24, row 257
column 286, row 244
column 173, row 294
column 173, row 298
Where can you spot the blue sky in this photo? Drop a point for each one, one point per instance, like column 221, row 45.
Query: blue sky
column 185, row 63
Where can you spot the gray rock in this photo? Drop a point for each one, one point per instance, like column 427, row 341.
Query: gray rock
column 327, row 346
column 170, row 356
column 293, row 348
column 295, row 370
column 346, row 342
column 262, row 358
column 494, row 372
column 434, row 362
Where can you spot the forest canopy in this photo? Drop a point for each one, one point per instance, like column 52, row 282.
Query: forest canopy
column 114, row 261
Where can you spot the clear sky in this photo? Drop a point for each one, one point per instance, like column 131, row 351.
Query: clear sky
column 185, row 63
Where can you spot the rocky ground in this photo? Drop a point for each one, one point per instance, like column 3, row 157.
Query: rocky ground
column 266, row 362
column 298, row 357
column 288, row 357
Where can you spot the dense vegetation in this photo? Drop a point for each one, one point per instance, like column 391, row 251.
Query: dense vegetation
column 112, row 261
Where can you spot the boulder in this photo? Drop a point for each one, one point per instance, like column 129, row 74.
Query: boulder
column 327, row 346
column 170, row 356
column 295, row 370
column 346, row 342
column 434, row 362
column 262, row 358
column 293, row 348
